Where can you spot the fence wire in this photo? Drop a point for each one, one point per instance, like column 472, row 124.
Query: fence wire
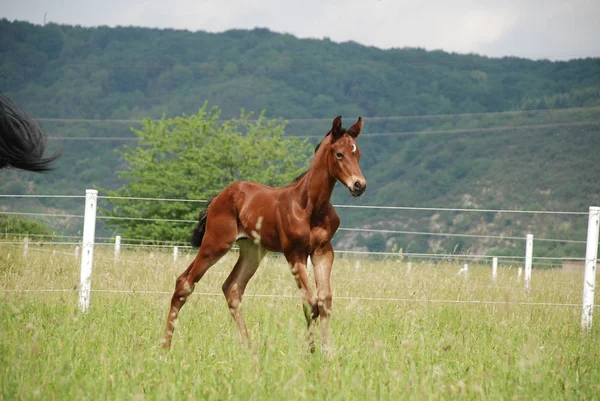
column 284, row 296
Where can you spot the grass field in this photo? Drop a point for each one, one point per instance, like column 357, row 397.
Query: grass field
column 382, row 349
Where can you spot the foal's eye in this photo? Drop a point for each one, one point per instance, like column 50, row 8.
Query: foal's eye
column 339, row 155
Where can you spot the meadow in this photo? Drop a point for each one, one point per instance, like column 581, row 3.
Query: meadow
column 397, row 333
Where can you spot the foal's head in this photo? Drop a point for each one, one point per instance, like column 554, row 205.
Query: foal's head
column 343, row 155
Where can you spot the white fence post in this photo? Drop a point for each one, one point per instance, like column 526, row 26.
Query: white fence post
column 76, row 253
column 87, row 251
column 464, row 271
column 25, row 247
column 117, row 247
column 494, row 269
column 589, row 279
column 528, row 261
column 175, row 253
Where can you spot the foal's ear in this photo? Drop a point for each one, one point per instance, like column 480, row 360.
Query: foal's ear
column 336, row 128
column 354, row 131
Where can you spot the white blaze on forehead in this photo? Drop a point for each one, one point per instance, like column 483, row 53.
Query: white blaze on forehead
column 353, row 147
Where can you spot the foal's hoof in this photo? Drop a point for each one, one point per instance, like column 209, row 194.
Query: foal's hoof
column 315, row 311
column 327, row 350
column 165, row 343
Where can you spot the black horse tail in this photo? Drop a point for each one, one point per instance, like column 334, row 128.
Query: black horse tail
column 22, row 141
column 200, row 229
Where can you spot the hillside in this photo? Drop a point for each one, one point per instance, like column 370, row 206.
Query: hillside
column 530, row 158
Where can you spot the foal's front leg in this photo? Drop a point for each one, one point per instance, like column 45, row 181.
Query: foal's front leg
column 322, row 259
column 298, row 266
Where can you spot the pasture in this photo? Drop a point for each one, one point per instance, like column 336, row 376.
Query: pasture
column 395, row 335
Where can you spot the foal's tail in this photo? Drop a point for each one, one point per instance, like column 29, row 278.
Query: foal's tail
column 22, row 141
column 198, row 231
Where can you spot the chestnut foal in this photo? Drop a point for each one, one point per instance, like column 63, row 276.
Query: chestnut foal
column 297, row 220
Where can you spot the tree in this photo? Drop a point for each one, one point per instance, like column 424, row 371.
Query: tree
column 17, row 226
column 376, row 243
column 194, row 157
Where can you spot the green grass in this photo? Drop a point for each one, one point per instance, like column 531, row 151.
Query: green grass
column 382, row 349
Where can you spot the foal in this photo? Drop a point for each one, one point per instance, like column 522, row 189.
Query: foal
column 297, row 220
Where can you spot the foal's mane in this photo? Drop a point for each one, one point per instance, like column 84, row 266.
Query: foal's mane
column 300, row 176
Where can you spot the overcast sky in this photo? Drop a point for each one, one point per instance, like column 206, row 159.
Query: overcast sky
column 535, row 29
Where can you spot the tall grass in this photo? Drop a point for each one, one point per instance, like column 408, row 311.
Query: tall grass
column 390, row 344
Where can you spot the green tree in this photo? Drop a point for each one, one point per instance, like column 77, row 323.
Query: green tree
column 375, row 242
column 16, row 226
column 194, row 157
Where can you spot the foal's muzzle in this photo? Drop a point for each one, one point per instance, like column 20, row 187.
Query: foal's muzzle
column 358, row 188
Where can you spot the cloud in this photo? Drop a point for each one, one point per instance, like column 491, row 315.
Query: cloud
column 527, row 28
column 555, row 30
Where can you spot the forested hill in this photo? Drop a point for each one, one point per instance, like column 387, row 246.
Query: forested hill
column 123, row 73
column 441, row 129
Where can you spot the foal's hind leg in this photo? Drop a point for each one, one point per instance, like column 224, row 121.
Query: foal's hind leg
column 212, row 249
column 250, row 256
